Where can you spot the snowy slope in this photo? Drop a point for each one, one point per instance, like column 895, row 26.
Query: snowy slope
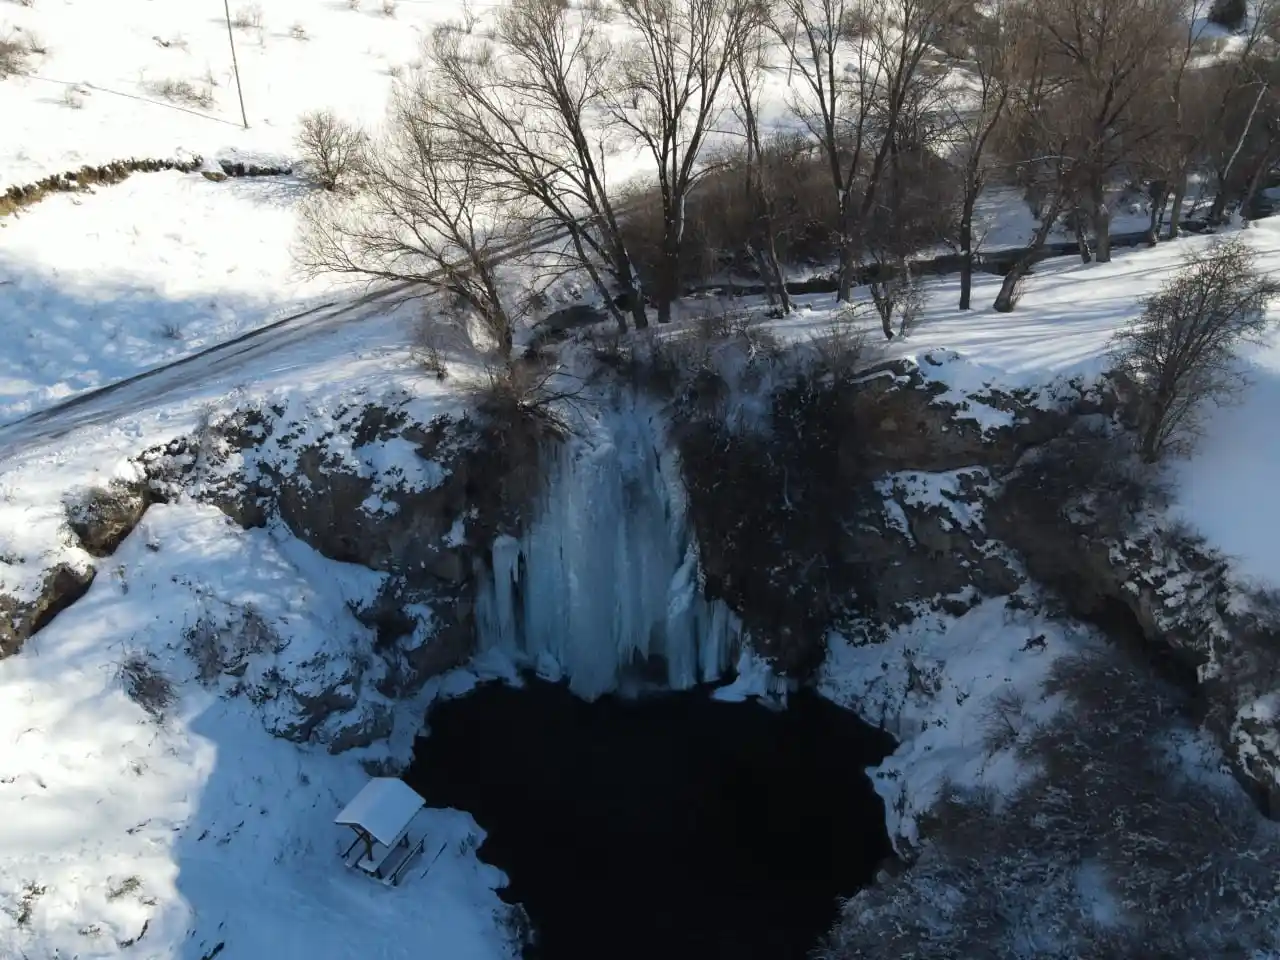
column 115, row 51
column 95, row 288
column 200, row 829
column 89, row 766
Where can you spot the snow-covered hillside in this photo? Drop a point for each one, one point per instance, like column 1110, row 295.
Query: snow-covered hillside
column 101, row 285
column 191, row 819
column 189, row 830
column 165, row 834
column 294, row 56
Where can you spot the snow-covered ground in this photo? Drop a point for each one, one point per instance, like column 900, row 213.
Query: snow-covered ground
column 180, row 833
column 102, row 794
column 203, row 829
column 96, row 288
column 119, row 52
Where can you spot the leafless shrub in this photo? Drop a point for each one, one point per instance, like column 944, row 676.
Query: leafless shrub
column 353, row 4
column 525, row 391
column 330, row 146
column 1003, row 720
column 183, row 92
column 26, row 3
column 31, row 892
column 72, row 97
column 431, row 337
column 126, row 886
column 171, row 330
column 299, row 32
column 35, row 43
column 911, row 305
column 761, row 343
column 220, row 646
column 145, row 683
column 14, row 56
column 247, row 17
column 1181, row 353
column 714, row 323
column 388, row 8
column 841, row 348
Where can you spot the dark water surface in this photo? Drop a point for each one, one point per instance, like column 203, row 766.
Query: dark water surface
column 672, row 826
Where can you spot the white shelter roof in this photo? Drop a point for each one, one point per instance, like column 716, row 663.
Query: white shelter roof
column 383, row 808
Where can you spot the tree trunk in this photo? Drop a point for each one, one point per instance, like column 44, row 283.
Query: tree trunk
column 664, row 310
column 639, row 316
column 1101, row 223
column 779, row 282
column 1219, row 206
column 1175, row 212
column 1148, row 451
column 966, row 247
column 1082, row 237
column 1159, row 195
column 765, row 272
column 1255, row 180
column 1102, row 232
column 668, row 284
column 848, row 266
column 1007, row 298
column 882, row 297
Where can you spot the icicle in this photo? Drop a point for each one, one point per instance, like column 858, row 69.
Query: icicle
column 506, row 573
column 607, row 571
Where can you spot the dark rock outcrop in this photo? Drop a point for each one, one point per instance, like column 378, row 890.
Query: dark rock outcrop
column 862, row 501
column 61, row 586
column 103, row 517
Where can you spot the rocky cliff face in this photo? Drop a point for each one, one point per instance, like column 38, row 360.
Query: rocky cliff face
column 863, row 501
column 859, row 504
column 371, row 485
column 1162, row 592
column 871, row 500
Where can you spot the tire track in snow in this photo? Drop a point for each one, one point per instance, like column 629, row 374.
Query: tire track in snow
column 151, row 387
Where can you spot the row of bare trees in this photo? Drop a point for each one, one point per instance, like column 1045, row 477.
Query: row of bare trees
column 896, row 116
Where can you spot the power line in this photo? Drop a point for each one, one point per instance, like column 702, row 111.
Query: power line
column 235, row 65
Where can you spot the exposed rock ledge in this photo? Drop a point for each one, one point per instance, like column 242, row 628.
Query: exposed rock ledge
column 866, row 503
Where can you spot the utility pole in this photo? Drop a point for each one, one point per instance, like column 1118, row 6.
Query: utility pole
column 231, row 38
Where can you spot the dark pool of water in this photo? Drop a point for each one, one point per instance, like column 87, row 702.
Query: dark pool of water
column 669, row 827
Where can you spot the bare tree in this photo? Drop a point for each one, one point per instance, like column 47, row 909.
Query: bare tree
column 1181, row 352
column 853, row 66
column 989, row 44
column 529, row 97
column 1178, row 103
column 330, row 147
column 1246, row 83
column 747, row 67
column 1037, row 148
column 428, row 215
column 666, row 95
column 1105, row 55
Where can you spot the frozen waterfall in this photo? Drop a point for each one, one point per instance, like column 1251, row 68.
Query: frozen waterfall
column 607, row 571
